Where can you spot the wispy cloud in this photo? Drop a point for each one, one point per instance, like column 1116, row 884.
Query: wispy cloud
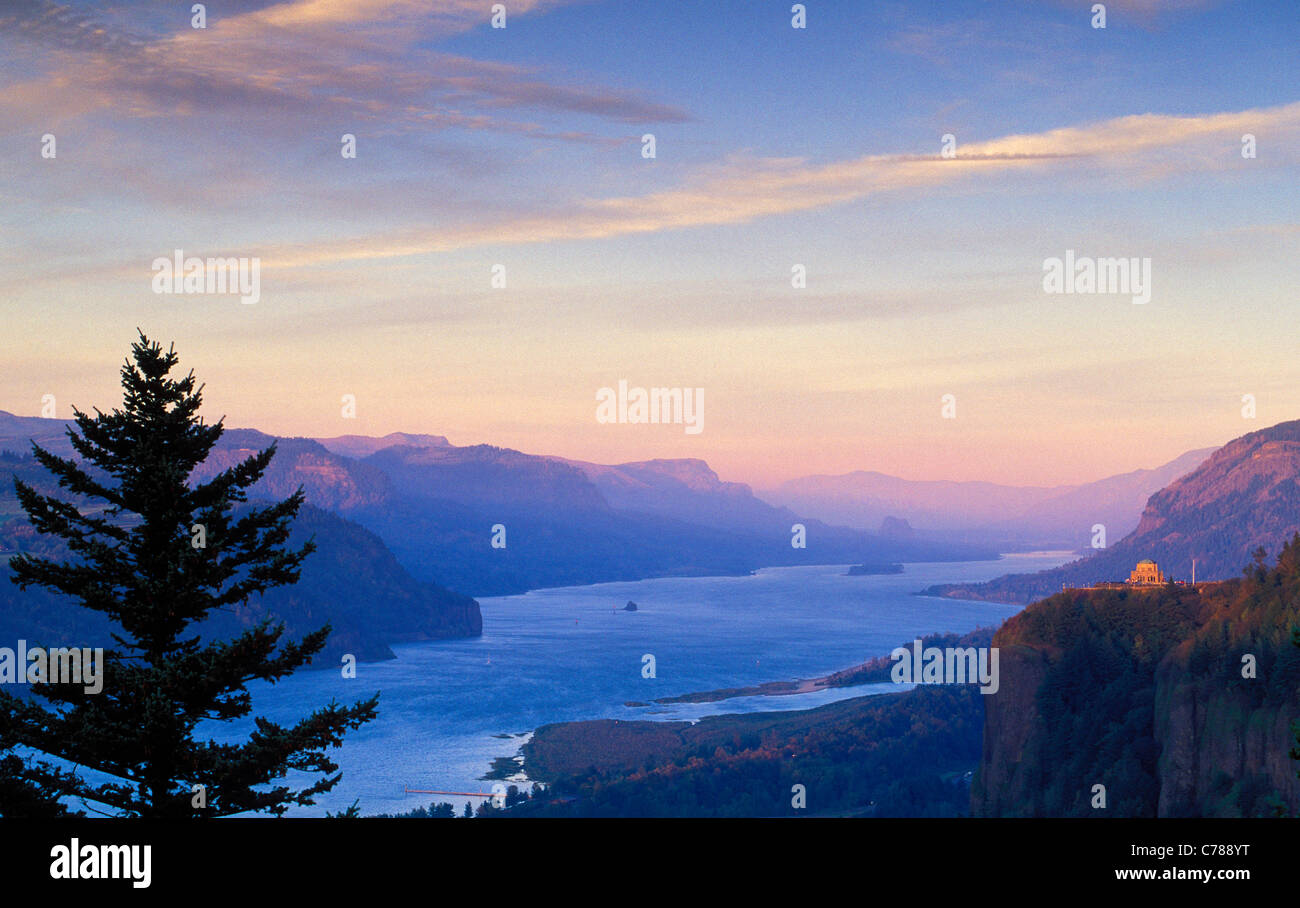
column 301, row 61
column 741, row 188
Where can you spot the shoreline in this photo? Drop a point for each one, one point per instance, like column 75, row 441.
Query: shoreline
column 766, row 689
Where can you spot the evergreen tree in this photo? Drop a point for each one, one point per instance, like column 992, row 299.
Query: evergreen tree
column 155, row 555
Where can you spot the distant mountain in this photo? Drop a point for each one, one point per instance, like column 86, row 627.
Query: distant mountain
column 1000, row 515
column 684, row 489
column 364, row 445
column 1246, row 495
column 896, row 526
column 435, row 506
column 488, row 477
column 352, row 581
column 18, row 432
column 1116, row 502
column 329, row 480
column 865, row 498
column 690, row 491
column 568, row 522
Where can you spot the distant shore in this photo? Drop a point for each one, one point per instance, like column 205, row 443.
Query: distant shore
column 766, row 689
column 872, row 671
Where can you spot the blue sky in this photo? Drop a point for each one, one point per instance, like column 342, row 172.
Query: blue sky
column 774, row 146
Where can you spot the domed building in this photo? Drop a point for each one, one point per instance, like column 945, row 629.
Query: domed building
column 1147, row 573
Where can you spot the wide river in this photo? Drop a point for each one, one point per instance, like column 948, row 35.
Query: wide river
column 447, row 708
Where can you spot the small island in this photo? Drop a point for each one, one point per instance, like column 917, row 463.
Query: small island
column 630, row 607
column 862, row 570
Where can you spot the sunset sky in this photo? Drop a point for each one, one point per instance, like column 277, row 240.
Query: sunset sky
column 775, row 146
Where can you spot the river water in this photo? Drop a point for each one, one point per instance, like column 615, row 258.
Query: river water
column 447, row 708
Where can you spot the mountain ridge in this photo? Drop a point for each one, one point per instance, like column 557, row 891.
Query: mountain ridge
column 1243, row 497
column 435, row 505
column 1042, row 516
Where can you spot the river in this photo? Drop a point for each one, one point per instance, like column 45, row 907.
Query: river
column 447, row 708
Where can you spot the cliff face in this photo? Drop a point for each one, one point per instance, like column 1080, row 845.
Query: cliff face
column 1220, row 747
column 1143, row 692
column 1003, row 786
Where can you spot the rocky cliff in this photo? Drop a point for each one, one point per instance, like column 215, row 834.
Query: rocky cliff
column 1179, row 702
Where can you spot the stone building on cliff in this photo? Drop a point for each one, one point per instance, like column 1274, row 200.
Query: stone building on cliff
column 1147, row 573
